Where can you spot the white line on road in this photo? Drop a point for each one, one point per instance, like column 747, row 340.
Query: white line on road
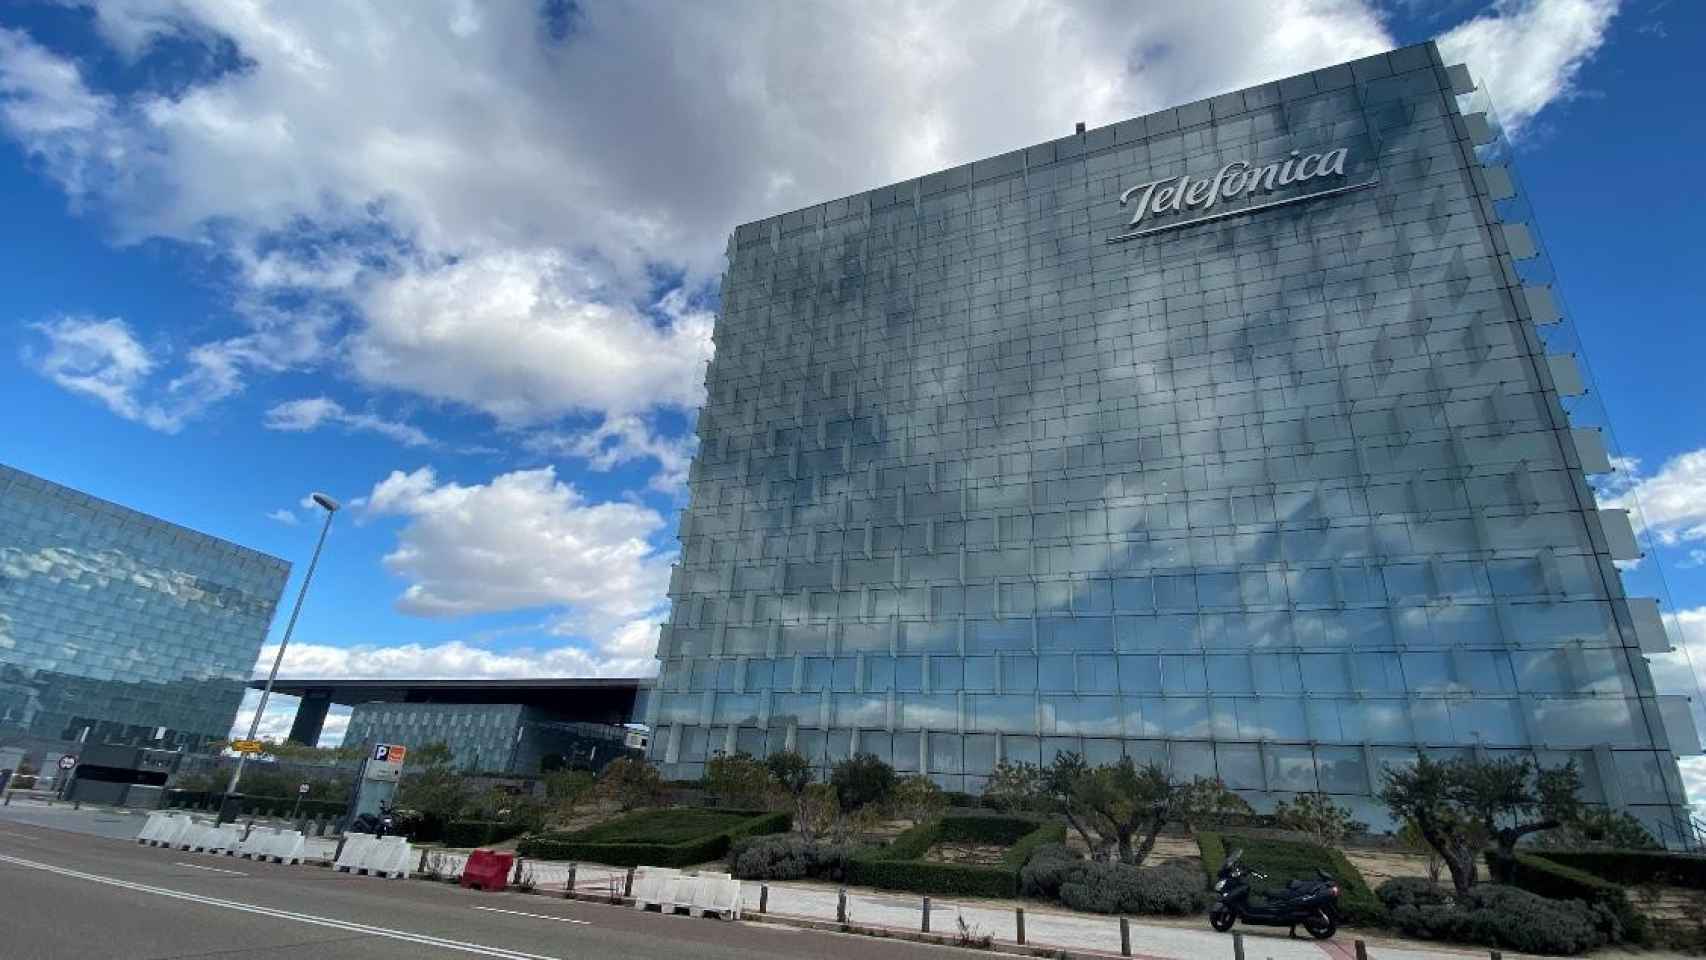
column 197, row 866
column 536, row 916
column 404, row 935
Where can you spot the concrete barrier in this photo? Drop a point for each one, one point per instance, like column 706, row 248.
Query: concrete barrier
column 716, row 893
column 389, row 857
column 652, row 886
column 356, row 847
column 255, row 845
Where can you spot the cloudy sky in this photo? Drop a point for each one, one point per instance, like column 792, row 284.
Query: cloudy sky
column 456, row 263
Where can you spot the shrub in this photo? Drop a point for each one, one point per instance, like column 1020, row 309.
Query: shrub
column 478, row 833
column 1020, row 852
column 1548, row 879
column 1497, row 915
column 993, row 829
column 739, row 780
column 788, row 858
column 1635, row 867
column 654, row 838
column 862, row 780
column 1050, row 866
column 924, row 876
column 630, row 782
column 1119, row 888
column 917, row 798
column 1285, row 860
column 1411, row 892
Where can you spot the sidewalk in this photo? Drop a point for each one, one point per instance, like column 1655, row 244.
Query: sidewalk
column 1045, row 927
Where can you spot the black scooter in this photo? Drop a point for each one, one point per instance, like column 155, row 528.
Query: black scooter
column 1311, row 904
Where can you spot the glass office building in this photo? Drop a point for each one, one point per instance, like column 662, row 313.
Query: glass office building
column 118, row 627
column 1227, row 436
column 503, row 738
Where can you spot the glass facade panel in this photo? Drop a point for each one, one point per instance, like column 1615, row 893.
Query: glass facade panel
column 117, row 627
column 1293, row 479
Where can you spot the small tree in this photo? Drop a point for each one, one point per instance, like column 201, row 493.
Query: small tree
column 430, row 755
column 1603, row 828
column 739, row 780
column 567, row 789
column 1463, row 806
column 1315, row 815
column 1411, row 837
column 862, row 780
column 917, row 798
column 793, row 774
column 1127, row 802
column 438, row 794
column 1015, row 787
column 630, row 783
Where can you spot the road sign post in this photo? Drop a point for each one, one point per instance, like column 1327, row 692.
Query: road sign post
column 301, row 791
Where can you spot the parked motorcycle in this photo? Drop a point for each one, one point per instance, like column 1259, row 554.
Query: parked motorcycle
column 1311, row 904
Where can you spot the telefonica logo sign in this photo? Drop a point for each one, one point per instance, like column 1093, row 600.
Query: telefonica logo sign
column 1236, row 179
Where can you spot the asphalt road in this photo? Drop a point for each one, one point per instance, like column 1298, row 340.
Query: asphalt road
column 71, row 896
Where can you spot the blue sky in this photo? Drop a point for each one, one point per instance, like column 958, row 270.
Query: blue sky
column 456, row 264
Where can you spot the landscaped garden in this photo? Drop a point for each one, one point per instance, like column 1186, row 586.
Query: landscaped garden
column 1492, row 853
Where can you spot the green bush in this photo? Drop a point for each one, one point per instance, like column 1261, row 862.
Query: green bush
column 1043, row 835
column 607, row 843
column 1121, row 888
column 1635, row 867
column 478, row 833
column 987, row 828
column 1497, row 915
column 924, row 876
column 899, row 866
column 1286, row 860
column 788, row 858
column 1558, row 882
column 1411, row 892
column 1050, row 866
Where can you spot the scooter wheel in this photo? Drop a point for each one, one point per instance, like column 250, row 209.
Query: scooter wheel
column 1322, row 926
column 1221, row 920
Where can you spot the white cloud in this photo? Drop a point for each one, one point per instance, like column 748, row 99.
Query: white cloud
column 488, row 200
column 525, row 541
column 1671, row 503
column 1528, row 53
column 281, row 713
column 285, row 517
column 455, row 659
column 619, row 440
column 530, row 340
column 311, row 413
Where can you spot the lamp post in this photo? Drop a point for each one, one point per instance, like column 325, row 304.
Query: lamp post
column 331, row 507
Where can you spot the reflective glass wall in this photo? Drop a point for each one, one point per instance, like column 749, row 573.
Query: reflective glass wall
column 119, row 627
column 1282, row 496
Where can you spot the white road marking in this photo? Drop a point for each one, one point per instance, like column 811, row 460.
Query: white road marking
column 197, row 866
column 536, row 916
column 318, row 921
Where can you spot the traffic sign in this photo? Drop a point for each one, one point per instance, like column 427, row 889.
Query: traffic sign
column 66, row 763
column 247, row 746
column 302, row 788
column 386, row 763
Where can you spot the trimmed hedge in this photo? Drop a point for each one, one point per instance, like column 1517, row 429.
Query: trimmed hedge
column 257, row 806
column 1558, row 882
column 478, row 833
column 1498, row 915
column 899, row 866
column 1634, row 867
column 592, row 845
column 1285, row 860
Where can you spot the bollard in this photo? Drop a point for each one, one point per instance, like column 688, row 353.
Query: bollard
column 569, row 887
column 1496, row 955
column 628, row 884
column 926, row 927
column 1362, row 950
column 1125, row 937
column 841, row 906
column 1019, row 922
column 764, row 898
column 339, row 852
column 517, row 878
column 422, row 867
column 1237, row 945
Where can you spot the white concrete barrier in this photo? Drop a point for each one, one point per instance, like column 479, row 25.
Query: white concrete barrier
column 254, row 846
column 388, row 857
column 652, row 885
column 172, row 833
column 356, row 846
column 158, row 820
column 287, row 846
column 225, row 839
column 717, row 893
column 201, row 836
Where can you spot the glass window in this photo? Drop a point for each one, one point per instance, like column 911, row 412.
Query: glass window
column 879, row 674
column 1140, row 673
column 1098, row 674
column 1018, row 673
column 909, row 674
column 979, row 673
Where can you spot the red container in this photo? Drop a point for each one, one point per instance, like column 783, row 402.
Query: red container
column 488, row 870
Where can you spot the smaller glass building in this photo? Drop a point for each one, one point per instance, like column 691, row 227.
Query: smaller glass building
column 504, row 738
column 118, row 627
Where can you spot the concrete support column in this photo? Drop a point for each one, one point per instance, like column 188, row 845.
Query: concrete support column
column 310, row 717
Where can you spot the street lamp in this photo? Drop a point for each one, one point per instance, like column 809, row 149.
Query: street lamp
column 331, row 507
